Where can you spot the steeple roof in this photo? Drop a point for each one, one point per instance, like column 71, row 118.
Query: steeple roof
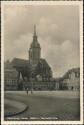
column 35, row 30
column 35, row 40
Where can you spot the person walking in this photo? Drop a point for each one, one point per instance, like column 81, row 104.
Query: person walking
column 27, row 91
column 31, row 90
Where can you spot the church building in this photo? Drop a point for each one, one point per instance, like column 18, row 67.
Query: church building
column 36, row 67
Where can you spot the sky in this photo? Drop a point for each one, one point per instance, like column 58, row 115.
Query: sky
column 57, row 30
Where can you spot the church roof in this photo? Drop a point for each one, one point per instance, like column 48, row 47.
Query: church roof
column 35, row 40
column 17, row 62
column 35, row 44
column 44, row 62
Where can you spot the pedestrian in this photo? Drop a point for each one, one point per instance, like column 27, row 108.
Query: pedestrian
column 27, row 91
column 31, row 90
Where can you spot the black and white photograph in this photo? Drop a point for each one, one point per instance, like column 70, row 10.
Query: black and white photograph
column 42, row 53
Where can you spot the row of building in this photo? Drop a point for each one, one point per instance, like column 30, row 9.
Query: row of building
column 70, row 81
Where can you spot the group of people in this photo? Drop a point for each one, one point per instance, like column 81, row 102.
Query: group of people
column 27, row 90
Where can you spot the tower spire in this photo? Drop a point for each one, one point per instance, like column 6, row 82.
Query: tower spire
column 35, row 50
column 34, row 30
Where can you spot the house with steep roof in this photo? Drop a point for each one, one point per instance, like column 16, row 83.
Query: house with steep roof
column 71, row 79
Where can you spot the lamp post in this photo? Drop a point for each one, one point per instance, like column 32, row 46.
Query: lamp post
column 32, row 79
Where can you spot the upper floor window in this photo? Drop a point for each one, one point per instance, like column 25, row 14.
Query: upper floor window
column 72, row 75
column 77, row 75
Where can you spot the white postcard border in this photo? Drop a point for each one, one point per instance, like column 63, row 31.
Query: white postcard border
column 19, row 3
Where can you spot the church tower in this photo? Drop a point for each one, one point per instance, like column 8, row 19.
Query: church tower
column 35, row 50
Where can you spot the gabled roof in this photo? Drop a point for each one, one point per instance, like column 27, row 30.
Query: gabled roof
column 75, row 70
column 7, row 65
column 44, row 62
column 17, row 62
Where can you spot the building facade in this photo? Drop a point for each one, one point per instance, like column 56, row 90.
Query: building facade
column 71, row 80
column 10, row 77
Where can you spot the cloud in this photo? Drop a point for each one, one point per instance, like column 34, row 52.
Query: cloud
column 60, row 57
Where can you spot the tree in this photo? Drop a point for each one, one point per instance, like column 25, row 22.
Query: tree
column 20, row 85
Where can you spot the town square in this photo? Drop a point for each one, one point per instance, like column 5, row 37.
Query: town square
column 43, row 105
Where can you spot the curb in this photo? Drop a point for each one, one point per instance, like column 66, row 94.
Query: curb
column 17, row 112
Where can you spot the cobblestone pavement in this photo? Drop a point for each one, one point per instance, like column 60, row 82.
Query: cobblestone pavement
column 42, row 106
